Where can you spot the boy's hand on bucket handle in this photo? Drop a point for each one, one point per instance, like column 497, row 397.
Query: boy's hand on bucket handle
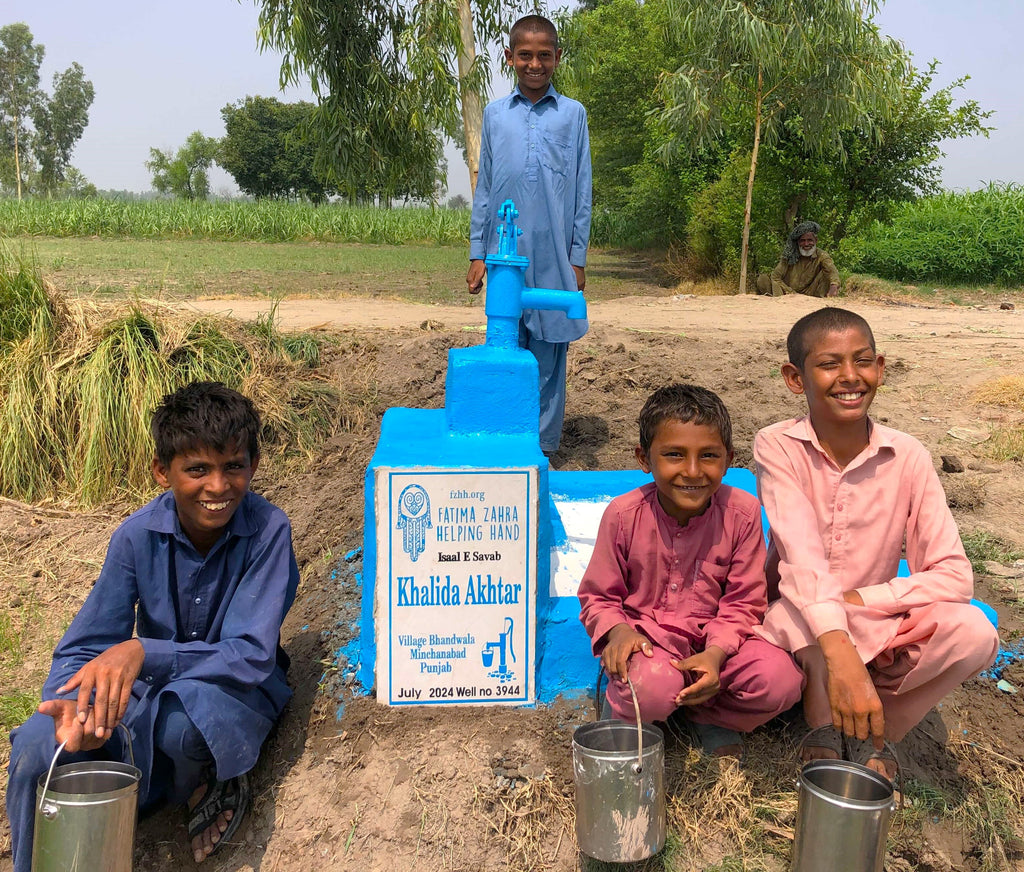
column 856, row 708
column 111, row 675
column 623, row 642
column 70, row 731
column 708, row 666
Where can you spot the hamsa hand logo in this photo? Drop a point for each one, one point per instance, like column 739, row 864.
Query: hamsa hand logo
column 413, row 519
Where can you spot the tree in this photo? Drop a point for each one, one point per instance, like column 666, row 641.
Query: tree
column 617, row 80
column 20, row 60
column 755, row 65
column 264, row 150
column 60, row 121
column 184, row 173
column 389, row 76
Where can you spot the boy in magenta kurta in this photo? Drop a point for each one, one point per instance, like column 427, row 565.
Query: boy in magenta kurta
column 844, row 495
column 676, row 583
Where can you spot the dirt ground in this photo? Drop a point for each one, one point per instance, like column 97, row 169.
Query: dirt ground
column 346, row 784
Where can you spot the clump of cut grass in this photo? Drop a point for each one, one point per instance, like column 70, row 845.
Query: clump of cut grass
column 26, row 301
column 301, row 348
column 1007, row 391
column 78, row 385
column 718, row 810
column 522, row 817
column 1004, row 390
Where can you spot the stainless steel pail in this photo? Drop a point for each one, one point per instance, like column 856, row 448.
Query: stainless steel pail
column 842, row 819
column 620, row 793
column 85, row 818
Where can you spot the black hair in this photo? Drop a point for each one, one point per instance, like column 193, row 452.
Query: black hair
column 687, row 404
column 204, row 414
column 532, row 24
column 812, row 327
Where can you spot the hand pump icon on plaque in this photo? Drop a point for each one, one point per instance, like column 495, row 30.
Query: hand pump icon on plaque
column 504, row 647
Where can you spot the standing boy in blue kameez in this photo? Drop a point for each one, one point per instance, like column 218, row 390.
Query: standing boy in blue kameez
column 535, row 151
column 203, row 575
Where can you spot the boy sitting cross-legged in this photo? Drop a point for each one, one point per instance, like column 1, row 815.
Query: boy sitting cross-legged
column 843, row 496
column 178, row 640
column 677, row 577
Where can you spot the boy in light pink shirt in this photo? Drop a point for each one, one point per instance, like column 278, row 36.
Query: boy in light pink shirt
column 677, row 577
column 843, row 495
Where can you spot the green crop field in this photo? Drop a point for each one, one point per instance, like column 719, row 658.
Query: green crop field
column 263, row 221
column 973, row 237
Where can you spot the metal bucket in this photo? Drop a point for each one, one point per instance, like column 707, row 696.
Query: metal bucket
column 620, row 791
column 842, row 819
column 85, row 817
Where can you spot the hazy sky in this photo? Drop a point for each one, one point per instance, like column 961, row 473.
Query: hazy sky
column 162, row 70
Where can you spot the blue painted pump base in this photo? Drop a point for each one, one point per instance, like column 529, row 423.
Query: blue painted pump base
column 491, row 421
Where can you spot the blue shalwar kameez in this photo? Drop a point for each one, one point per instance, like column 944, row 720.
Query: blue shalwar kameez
column 538, row 156
column 213, row 679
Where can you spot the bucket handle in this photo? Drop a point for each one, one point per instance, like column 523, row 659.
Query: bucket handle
column 639, row 765
column 49, row 810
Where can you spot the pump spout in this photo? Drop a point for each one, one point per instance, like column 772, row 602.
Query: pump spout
column 573, row 303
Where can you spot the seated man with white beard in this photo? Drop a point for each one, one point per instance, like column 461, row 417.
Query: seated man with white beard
column 803, row 267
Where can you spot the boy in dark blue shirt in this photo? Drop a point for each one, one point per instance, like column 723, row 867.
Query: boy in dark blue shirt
column 178, row 641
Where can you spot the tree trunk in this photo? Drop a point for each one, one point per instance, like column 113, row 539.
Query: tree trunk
column 750, row 185
column 17, row 163
column 472, row 111
column 793, row 209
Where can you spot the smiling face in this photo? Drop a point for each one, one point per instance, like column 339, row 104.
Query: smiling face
column 208, row 487
column 535, row 59
column 688, row 462
column 839, row 377
column 807, row 244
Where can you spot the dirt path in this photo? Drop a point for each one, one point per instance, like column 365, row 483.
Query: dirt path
column 746, row 316
column 346, row 784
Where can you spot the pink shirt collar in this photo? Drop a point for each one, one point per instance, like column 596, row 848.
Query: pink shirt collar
column 878, row 439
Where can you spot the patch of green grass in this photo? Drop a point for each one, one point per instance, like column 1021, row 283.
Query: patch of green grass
column 10, row 642
column 1007, row 443
column 175, row 269
column 981, row 546
column 16, row 707
column 923, row 799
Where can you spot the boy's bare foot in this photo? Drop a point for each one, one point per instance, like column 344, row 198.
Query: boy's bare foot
column 215, row 811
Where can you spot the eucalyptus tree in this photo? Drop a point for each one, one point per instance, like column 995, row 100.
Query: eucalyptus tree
column 389, row 76
column 20, row 59
column 755, row 65
column 60, row 121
